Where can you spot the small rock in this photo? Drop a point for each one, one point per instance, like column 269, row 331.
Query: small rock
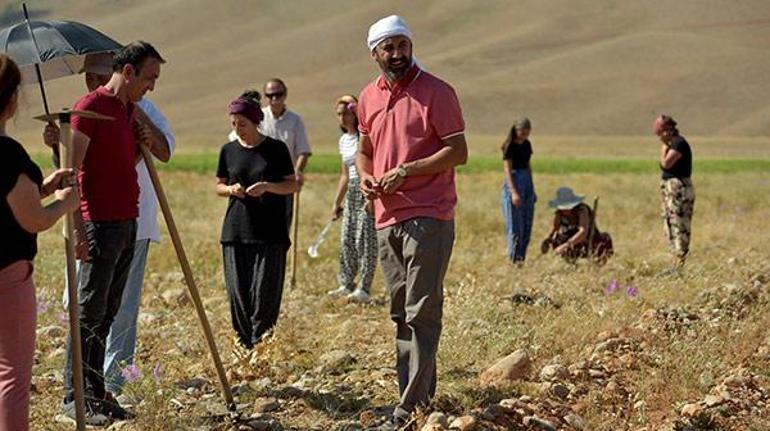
column 464, row 423
column 560, row 390
column 173, row 297
column 596, row 374
column 606, row 335
column 551, row 373
column 437, row 418
column 194, row 383
column 265, row 425
column 713, row 400
column 575, row 421
column 512, row 367
column 367, row 418
column 692, row 410
column 534, row 421
column 640, row 405
column 266, row 405
column 147, row 318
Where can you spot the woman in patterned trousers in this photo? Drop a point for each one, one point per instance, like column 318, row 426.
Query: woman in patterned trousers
column 358, row 250
column 677, row 191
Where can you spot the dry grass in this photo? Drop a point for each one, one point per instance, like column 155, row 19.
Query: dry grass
column 480, row 325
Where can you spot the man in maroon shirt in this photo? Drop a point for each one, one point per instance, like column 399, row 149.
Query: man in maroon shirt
column 106, row 153
column 412, row 137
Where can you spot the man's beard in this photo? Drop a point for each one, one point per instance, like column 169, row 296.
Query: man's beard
column 395, row 73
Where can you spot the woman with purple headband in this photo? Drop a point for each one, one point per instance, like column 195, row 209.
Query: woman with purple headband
column 256, row 174
column 358, row 250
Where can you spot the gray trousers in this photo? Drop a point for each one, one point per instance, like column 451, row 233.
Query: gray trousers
column 414, row 256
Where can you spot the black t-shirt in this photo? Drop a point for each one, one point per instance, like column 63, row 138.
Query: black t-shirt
column 255, row 220
column 683, row 167
column 16, row 243
column 518, row 154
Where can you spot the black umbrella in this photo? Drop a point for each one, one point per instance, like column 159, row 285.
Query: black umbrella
column 47, row 50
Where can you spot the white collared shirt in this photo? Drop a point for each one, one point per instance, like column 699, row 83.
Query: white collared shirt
column 147, row 224
column 288, row 128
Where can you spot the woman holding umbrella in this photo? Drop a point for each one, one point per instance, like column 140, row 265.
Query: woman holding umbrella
column 256, row 174
column 22, row 216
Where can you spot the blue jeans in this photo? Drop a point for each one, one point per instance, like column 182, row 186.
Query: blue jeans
column 518, row 219
column 121, row 341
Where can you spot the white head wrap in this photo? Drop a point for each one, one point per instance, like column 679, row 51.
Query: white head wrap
column 389, row 26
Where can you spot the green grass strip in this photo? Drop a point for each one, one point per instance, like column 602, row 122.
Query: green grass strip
column 206, row 163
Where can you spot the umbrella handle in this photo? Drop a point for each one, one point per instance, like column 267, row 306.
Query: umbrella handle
column 39, row 60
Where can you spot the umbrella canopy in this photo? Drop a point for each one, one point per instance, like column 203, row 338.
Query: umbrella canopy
column 60, row 49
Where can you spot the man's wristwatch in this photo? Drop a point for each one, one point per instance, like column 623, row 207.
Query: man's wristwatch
column 402, row 171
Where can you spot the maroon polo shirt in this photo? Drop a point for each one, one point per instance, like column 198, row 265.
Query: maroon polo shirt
column 108, row 183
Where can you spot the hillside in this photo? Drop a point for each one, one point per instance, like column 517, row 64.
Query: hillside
column 577, row 67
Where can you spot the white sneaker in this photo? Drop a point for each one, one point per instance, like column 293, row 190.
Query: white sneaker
column 359, row 296
column 339, row 292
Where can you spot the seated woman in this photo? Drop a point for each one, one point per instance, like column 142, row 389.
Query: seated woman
column 572, row 228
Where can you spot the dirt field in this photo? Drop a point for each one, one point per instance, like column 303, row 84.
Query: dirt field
column 679, row 337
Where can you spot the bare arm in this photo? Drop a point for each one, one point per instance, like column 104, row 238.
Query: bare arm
column 668, row 157
column 454, row 153
column 301, row 164
column 369, row 185
column 152, row 137
column 226, row 190
column 508, row 166
column 288, row 186
column 342, row 188
column 79, row 148
column 24, row 201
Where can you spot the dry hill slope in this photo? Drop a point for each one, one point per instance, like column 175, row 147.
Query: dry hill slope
column 577, row 67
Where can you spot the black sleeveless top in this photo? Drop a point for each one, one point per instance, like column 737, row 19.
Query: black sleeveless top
column 15, row 243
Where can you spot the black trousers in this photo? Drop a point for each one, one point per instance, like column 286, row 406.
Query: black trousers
column 100, row 289
column 254, row 276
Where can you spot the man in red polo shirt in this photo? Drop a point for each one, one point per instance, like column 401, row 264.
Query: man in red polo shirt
column 412, row 137
column 106, row 153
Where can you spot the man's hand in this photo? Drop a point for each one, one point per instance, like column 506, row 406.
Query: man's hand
column 143, row 134
column 515, row 199
column 300, row 177
column 51, row 135
column 370, row 187
column 257, row 189
column 237, row 191
column 391, row 181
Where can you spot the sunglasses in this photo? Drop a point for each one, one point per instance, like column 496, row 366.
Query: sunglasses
column 277, row 95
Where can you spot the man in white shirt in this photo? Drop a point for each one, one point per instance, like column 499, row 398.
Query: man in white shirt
column 286, row 126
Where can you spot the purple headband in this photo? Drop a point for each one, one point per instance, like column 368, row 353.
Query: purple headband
column 247, row 109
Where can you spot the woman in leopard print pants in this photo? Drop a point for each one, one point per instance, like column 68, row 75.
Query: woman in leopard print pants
column 358, row 251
